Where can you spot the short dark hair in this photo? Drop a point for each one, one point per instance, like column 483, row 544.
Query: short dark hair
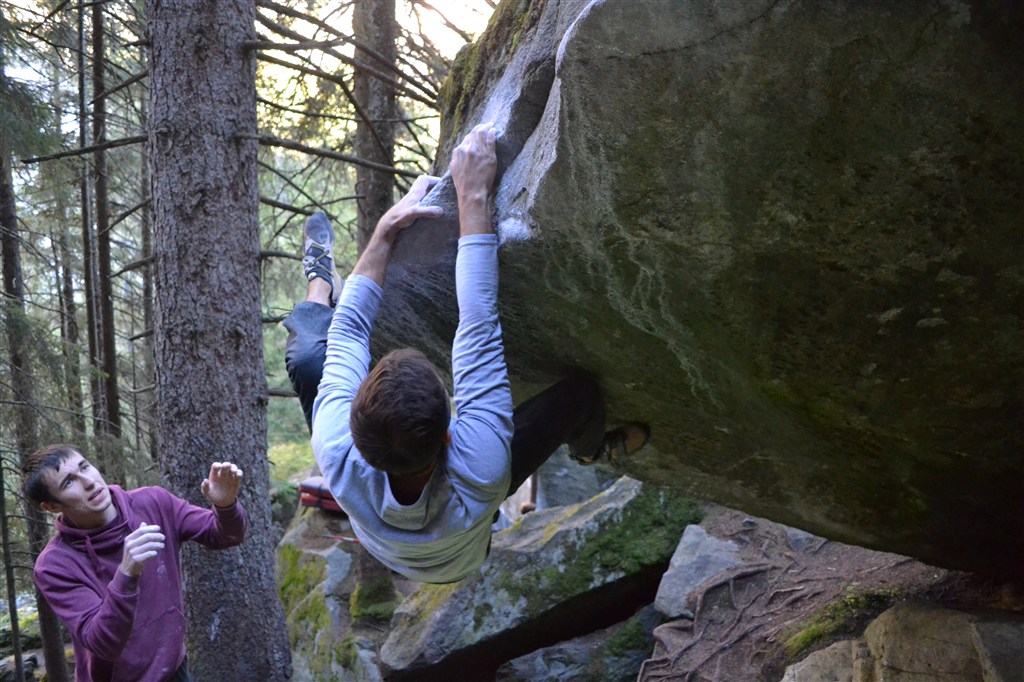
column 400, row 414
column 35, row 467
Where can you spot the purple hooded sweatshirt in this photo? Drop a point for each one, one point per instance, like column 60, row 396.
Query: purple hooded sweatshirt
column 123, row 628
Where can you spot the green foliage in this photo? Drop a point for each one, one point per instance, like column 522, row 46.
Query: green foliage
column 290, row 462
column 23, row 118
column 848, row 616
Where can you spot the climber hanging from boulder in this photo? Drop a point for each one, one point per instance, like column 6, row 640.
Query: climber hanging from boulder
column 420, row 486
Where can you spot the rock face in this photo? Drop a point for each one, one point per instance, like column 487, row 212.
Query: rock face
column 613, row 654
column 554, row 575
column 698, row 557
column 332, row 636
column 786, row 234
column 920, row 640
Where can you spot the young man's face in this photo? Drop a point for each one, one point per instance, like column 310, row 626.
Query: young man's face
column 81, row 493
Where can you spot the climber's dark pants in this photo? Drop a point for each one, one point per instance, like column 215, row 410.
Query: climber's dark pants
column 572, row 411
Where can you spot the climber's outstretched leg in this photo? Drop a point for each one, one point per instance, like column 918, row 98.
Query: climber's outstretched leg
column 572, row 412
column 306, row 348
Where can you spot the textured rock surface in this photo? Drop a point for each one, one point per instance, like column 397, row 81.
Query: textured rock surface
column 697, row 558
column 923, row 641
column 556, row 574
column 787, row 234
column 751, row 621
column 316, row 580
column 610, row 655
column 561, row 481
column 831, row 664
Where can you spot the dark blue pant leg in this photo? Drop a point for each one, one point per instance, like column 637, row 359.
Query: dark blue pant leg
column 306, row 351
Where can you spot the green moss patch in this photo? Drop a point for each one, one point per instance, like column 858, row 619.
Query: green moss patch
column 633, row 636
column 646, row 535
column 846, row 617
column 374, row 600
column 310, row 626
column 477, row 62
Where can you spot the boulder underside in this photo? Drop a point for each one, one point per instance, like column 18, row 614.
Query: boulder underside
column 787, row 235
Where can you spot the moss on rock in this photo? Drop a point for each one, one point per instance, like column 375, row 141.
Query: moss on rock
column 644, row 535
column 375, row 600
column 310, row 626
column 479, row 63
column 845, row 617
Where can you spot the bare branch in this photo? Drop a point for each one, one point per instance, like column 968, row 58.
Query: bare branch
column 354, row 63
column 268, row 253
column 361, row 46
column 270, row 141
column 301, row 191
column 293, row 47
column 134, row 266
column 426, row 5
column 82, row 151
column 124, row 84
column 125, row 214
column 344, row 88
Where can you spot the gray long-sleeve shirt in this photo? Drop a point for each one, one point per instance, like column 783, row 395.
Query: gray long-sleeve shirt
column 444, row 535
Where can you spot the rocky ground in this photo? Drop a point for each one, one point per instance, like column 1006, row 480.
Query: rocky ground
column 794, row 593
column 742, row 599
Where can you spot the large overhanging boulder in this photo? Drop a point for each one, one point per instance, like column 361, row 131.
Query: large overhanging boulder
column 786, row 234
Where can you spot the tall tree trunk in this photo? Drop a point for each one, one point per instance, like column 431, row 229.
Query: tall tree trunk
column 25, row 426
column 211, row 385
column 13, row 318
column 11, row 593
column 89, row 267
column 148, row 313
column 373, row 24
column 64, row 281
column 69, row 335
column 110, row 423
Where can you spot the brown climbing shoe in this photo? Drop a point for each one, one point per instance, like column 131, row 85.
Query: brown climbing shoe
column 625, row 440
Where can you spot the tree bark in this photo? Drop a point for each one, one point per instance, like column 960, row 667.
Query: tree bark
column 373, row 24
column 148, row 311
column 211, row 385
column 64, row 283
column 11, row 593
column 89, row 268
column 26, row 426
column 109, row 424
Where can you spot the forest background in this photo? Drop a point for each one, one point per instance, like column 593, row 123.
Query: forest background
column 106, row 251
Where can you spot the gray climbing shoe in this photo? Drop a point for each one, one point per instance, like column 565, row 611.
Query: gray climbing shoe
column 317, row 260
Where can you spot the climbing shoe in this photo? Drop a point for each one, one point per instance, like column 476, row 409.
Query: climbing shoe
column 317, row 260
column 619, row 443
